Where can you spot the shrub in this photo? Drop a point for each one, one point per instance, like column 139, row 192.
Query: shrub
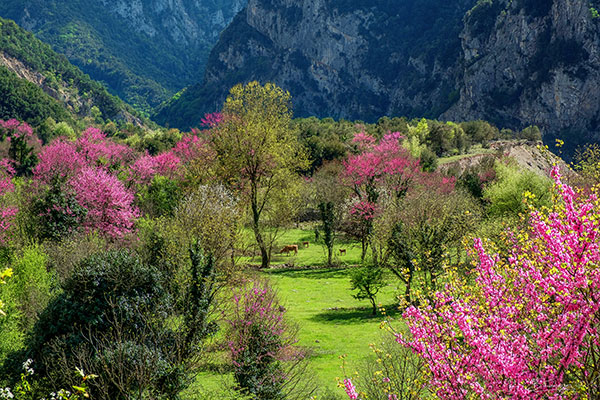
column 109, row 205
column 160, row 197
column 65, row 255
column 526, row 326
column 531, row 133
column 25, row 295
column 31, row 283
column 265, row 363
column 111, row 318
column 57, row 212
column 368, row 281
column 506, row 194
column 22, row 142
column 393, row 369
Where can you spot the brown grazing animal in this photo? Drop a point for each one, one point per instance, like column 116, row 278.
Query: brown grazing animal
column 305, row 244
column 342, row 251
column 289, row 248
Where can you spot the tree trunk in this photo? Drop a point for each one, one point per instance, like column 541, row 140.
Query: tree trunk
column 264, row 253
column 407, row 291
column 363, row 253
column 329, row 255
column 374, row 305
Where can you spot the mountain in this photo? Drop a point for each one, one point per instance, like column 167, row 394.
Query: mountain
column 143, row 50
column 533, row 62
column 512, row 62
column 339, row 58
column 37, row 83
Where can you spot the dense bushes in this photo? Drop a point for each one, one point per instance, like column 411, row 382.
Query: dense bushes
column 109, row 297
column 116, row 318
column 138, row 250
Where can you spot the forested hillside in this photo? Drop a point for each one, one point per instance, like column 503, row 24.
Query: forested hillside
column 144, row 51
column 37, row 83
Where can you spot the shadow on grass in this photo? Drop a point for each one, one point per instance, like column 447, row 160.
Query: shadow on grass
column 310, row 273
column 355, row 315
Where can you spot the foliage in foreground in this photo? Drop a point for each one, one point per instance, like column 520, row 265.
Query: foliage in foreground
column 266, row 364
column 525, row 325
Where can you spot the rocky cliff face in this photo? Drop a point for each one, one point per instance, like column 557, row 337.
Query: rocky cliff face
column 532, row 62
column 144, row 50
column 339, row 58
column 186, row 23
column 512, row 62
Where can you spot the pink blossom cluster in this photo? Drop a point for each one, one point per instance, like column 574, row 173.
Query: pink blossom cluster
column 525, row 327
column 212, row 120
column 385, row 166
column 59, row 159
column 350, row 389
column 87, row 166
column 192, row 147
column 109, row 203
column 63, row 158
column 100, row 150
column 364, row 141
column 16, row 129
column 364, row 210
column 146, row 167
column 380, row 160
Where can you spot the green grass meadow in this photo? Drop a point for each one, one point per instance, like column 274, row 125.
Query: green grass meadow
column 331, row 322
column 318, row 300
column 313, row 255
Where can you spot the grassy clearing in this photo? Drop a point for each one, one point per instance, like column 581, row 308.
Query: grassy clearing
column 474, row 151
column 331, row 323
column 313, row 255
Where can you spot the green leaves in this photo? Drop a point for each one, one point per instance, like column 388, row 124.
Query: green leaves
column 368, row 281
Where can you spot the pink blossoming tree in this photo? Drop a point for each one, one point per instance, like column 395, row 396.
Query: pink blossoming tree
column 526, row 325
column 108, row 203
column 379, row 166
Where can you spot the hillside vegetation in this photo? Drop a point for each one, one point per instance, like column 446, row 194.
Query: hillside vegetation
column 143, row 51
column 254, row 257
column 39, row 83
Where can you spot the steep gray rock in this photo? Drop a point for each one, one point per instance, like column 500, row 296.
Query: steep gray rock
column 339, row 58
column 532, row 62
column 512, row 62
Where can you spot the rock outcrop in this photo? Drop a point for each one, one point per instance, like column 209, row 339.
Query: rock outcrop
column 532, row 62
column 339, row 58
column 512, row 62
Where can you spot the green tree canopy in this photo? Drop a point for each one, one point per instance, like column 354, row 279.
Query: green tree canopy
column 259, row 155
